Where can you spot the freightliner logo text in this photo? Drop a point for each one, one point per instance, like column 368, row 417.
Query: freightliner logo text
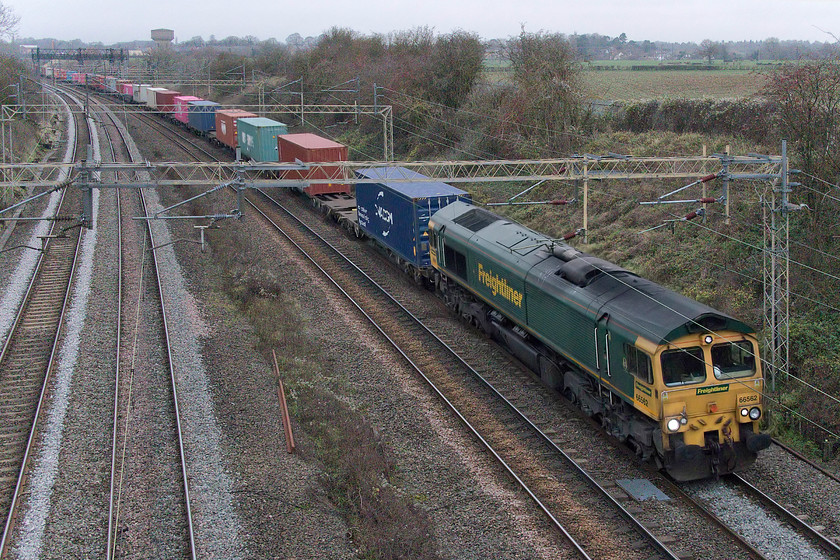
column 499, row 286
column 710, row 390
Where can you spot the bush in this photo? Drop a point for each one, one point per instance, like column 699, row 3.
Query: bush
column 752, row 120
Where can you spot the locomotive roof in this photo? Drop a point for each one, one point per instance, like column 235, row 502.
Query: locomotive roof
column 654, row 311
column 642, row 306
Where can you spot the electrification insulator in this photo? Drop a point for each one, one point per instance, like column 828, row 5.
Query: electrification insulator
column 570, row 236
column 708, row 178
column 558, row 202
column 708, row 200
column 695, row 214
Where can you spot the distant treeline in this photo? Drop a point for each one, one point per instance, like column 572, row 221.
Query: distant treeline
column 587, row 46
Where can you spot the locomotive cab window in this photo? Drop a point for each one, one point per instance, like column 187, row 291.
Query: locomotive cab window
column 637, row 363
column 733, row 359
column 456, row 261
column 684, row 366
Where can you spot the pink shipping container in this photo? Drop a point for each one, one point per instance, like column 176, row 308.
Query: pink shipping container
column 308, row 147
column 79, row 78
column 182, row 107
column 126, row 88
column 165, row 100
column 226, row 125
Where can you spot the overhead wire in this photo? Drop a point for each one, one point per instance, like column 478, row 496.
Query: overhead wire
column 427, row 138
column 453, row 145
column 452, row 124
column 488, row 117
column 800, row 380
column 821, row 180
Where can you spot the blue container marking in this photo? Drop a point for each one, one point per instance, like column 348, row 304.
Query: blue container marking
column 397, row 214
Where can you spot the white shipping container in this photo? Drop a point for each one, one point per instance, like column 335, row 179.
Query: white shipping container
column 139, row 93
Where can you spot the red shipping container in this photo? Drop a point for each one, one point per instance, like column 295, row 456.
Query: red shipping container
column 226, row 125
column 165, row 100
column 182, row 107
column 308, row 147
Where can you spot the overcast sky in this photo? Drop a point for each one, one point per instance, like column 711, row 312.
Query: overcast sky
column 112, row 21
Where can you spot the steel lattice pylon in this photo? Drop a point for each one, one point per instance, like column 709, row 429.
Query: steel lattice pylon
column 777, row 276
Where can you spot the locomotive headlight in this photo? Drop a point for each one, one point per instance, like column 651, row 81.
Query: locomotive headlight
column 673, row 425
column 708, row 339
column 755, row 413
column 744, row 411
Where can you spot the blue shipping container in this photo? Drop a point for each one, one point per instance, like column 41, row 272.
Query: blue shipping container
column 202, row 115
column 397, row 214
column 258, row 137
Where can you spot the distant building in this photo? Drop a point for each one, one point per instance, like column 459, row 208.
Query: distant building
column 163, row 37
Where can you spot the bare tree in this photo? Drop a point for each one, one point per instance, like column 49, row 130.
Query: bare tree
column 808, row 96
column 8, row 20
column 548, row 101
column 708, row 50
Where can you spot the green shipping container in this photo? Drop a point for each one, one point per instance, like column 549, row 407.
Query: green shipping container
column 258, row 137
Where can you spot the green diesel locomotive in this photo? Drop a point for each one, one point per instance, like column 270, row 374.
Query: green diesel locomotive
column 678, row 381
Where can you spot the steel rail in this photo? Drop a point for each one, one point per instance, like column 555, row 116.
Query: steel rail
column 805, row 459
column 809, row 531
column 111, row 544
column 173, row 380
column 171, row 364
column 22, row 475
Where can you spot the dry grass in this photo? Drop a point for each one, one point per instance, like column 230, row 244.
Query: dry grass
column 358, row 467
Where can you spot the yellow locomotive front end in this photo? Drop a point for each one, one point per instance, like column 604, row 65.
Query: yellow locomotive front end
column 710, row 388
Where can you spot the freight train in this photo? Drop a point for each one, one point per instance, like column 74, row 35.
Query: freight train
column 255, row 137
column 677, row 381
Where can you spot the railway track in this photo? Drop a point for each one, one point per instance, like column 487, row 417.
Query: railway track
column 28, row 357
column 812, row 533
column 129, row 398
column 551, row 438
column 593, row 523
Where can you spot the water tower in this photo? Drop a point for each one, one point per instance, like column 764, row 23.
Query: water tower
column 163, row 37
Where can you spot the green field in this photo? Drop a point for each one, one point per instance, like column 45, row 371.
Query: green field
column 615, row 80
column 672, row 84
